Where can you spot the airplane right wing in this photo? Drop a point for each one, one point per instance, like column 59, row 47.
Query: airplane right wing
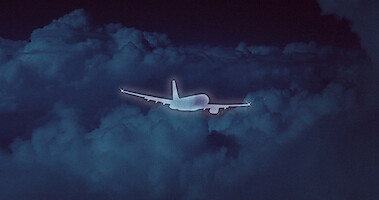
column 214, row 108
column 147, row 97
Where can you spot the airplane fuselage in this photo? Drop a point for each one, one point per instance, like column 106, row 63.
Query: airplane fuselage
column 190, row 103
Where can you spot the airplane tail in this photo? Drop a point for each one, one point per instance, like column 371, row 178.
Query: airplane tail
column 175, row 94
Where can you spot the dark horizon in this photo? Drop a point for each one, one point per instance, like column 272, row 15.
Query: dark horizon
column 259, row 22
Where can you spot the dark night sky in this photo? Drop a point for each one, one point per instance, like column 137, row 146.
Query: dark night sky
column 309, row 68
column 256, row 22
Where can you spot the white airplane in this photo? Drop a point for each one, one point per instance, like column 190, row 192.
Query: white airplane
column 189, row 103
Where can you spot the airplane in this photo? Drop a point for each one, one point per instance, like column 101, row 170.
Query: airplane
column 189, row 103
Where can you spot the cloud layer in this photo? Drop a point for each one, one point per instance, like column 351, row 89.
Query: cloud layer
column 83, row 140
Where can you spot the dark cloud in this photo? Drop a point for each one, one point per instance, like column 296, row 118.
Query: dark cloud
column 363, row 16
column 87, row 141
column 216, row 141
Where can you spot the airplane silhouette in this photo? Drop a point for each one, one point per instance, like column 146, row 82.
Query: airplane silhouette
column 189, row 103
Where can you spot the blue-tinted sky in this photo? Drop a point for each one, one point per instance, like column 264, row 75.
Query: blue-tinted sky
column 309, row 68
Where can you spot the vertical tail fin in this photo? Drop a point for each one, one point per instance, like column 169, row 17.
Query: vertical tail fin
column 175, row 94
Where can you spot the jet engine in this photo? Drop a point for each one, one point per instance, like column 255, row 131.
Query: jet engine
column 213, row 110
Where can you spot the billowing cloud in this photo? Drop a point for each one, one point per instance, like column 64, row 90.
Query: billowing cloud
column 363, row 16
column 88, row 142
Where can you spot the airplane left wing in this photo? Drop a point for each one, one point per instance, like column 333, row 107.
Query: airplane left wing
column 147, row 97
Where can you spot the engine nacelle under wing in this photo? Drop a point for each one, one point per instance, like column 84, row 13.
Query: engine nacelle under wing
column 214, row 110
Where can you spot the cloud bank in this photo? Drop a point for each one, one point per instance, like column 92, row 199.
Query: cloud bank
column 300, row 140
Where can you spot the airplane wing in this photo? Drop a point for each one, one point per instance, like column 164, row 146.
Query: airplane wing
column 218, row 106
column 214, row 108
column 147, row 97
